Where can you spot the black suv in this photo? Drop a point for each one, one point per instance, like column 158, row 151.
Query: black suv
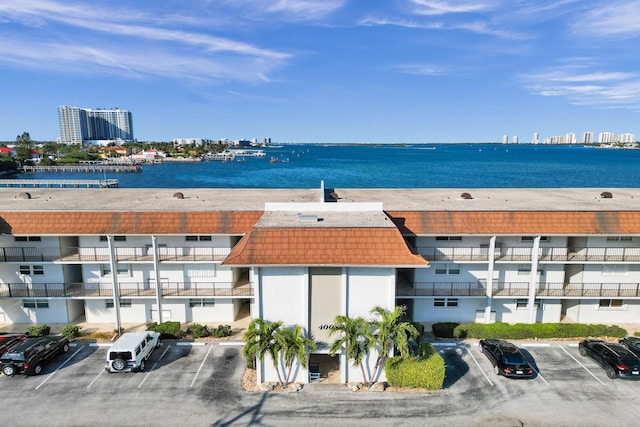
column 28, row 356
column 616, row 359
column 632, row 343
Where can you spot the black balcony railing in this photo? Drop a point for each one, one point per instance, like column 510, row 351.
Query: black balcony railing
column 428, row 289
column 122, row 254
column 125, row 289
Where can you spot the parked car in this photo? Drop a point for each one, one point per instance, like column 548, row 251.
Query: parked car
column 9, row 340
column 30, row 355
column 130, row 352
column 632, row 343
column 506, row 358
column 615, row 358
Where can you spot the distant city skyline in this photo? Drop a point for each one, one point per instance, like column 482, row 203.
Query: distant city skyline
column 326, row 71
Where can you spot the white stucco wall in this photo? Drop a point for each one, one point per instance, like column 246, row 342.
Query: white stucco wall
column 588, row 311
column 425, row 312
column 14, row 312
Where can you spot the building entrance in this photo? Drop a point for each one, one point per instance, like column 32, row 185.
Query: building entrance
column 328, row 368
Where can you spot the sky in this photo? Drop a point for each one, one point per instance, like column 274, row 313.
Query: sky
column 325, row 71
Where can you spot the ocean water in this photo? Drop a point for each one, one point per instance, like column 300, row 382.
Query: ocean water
column 395, row 166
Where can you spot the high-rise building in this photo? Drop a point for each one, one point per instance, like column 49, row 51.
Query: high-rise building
column 505, row 139
column 514, row 139
column 587, row 137
column 98, row 126
column 536, row 138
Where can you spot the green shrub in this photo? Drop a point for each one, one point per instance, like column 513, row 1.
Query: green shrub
column 197, row 330
column 39, row 330
column 72, row 332
column 636, row 334
column 222, row 331
column 444, row 329
column 169, row 330
column 520, row 331
column 416, row 371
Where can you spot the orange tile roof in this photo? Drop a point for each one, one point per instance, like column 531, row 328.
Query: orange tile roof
column 323, row 246
column 79, row 223
column 517, row 222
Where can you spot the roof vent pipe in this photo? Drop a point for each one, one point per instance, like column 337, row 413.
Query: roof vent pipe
column 466, row 196
column 178, row 195
column 606, row 195
column 24, row 195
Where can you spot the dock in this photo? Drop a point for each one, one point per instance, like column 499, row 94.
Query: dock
column 58, row 183
column 83, row 168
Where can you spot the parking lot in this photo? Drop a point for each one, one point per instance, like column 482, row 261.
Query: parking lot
column 201, row 385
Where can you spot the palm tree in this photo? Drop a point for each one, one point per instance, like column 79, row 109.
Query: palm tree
column 390, row 331
column 355, row 337
column 294, row 346
column 260, row 339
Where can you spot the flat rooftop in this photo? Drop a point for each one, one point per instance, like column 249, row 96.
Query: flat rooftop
column 427, row 199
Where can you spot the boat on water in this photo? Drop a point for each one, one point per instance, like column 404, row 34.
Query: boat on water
column 224, row 156
column 278, row 160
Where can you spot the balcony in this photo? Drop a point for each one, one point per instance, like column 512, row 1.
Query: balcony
column 125, row 289
column 545, row 254
column 123, row 254
column 458, row 254
column 441, row 289
column 564, row 290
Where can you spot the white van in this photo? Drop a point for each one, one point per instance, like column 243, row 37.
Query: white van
column 129, row 353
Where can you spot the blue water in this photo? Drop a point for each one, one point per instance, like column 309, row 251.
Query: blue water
column 390, row 166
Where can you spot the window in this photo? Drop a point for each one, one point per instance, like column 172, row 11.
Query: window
column 201, row 302
column 35, row 303
column 447, row 269
column 619, row 238
column 526, row 269
column 610, row 303
column 448, row 238
column 28, row 269
column 196, row 238
column 615, row 269
column 123, row 303
column 531, row 238
column 115, row 238
column 123, row 269
column 524, row 303
column 445, row 302
column 27, row 239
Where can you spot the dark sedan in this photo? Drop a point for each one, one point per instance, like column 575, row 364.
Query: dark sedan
column 506, row 359
column 616, row 359
column 632, row 343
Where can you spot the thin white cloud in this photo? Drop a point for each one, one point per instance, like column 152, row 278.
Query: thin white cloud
column 610, row 89
column 143, row 48
column 288, row 10
column 442, row 7
column 422, row 69
column 618, row 18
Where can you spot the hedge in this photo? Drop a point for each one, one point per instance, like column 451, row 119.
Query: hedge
column 536, row 330
column 72, row 332
column 166, row 329
column 197, row 330
column 444, row 329
column 39, row 330
column 417, row 371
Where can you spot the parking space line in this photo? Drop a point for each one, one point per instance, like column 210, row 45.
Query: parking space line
column 59, row 367
column 479, row 367
column 146, row 375
column 201, row 365
column 585, row 368
column 102, row 371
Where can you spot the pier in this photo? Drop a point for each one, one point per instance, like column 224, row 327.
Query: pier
column 83, row 168
column 58, row 183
